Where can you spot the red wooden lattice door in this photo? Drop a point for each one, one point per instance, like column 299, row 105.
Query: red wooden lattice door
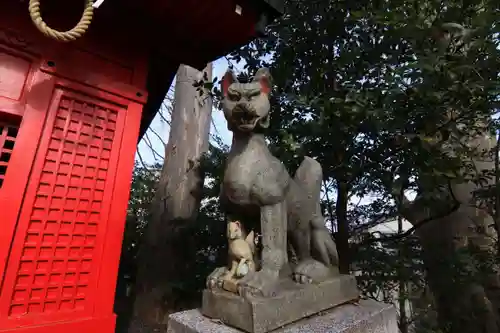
column 57, row 244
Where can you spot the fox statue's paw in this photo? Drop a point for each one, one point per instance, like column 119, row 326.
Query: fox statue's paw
column 216, row 278
column 258, row 283
column 312, row 271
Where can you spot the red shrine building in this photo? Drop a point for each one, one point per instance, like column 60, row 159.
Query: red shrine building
column 71, row 114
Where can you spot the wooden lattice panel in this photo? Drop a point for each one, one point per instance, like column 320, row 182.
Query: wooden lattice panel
column 8, row 135
column 59, row 250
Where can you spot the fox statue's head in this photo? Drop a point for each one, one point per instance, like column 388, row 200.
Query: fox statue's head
column 246, row 105
column 234, row 230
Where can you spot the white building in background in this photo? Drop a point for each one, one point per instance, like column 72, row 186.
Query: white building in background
column 390, row 227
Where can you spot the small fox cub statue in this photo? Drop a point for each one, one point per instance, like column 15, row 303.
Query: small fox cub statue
column 241, row 251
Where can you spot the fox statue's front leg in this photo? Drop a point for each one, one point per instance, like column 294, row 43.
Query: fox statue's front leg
column 274, row 253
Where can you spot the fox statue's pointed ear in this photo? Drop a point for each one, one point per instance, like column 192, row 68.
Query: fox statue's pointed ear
column 264, row 77
column 228, row 79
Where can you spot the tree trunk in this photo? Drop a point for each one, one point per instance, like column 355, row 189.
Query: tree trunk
column 467, row 295
column 497, row 191
column 176, row 203
column 329, row 208
column 402, row 292
column 342, row 238
column 462, row 299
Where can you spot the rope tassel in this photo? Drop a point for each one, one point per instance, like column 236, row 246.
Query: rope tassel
column 62, row 36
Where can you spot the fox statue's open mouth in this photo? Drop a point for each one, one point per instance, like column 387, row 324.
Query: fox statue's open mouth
column 245, row 119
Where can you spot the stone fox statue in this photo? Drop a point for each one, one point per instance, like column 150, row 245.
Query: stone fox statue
column 256, row 181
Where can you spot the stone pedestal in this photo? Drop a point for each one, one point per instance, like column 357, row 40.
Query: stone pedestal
column 367, row 317
column 291, row 303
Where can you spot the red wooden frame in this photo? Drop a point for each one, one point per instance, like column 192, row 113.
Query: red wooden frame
column 63, row 201
column 23, row 154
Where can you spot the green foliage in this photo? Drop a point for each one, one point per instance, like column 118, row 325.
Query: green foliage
column 144, row 180
column 376, row 263
column 142, row 192
column 374, row 90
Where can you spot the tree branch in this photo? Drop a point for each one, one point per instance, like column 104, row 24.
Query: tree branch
column 164, row 118
column 144, row 165
column 148, row 143
column 157, row 135
column 415, row 226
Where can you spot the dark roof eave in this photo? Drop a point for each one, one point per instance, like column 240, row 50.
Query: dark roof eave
column 162, row 70
column 278, row 6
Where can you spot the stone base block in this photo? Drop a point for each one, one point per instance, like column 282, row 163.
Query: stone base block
column 292, row 303
column 367, row 317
